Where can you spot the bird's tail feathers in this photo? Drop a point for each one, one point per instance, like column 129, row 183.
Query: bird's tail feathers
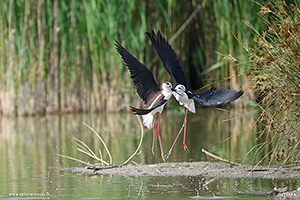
column 191, row 107
column 138, row 111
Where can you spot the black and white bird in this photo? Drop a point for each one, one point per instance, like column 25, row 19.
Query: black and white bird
column 212, row 97
column 148, row 90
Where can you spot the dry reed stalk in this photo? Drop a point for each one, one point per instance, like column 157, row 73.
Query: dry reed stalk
column 107, row 150
column 84, row 148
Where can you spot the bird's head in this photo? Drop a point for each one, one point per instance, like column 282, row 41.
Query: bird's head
column 167, row 86
column 180, row 89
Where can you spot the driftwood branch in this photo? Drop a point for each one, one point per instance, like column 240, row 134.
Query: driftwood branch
column 218, row 158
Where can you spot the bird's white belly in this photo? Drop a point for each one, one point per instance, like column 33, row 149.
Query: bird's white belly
column 188, row 103
column 148, row 119
column 185, row 100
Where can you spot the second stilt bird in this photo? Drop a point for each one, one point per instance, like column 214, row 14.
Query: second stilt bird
column 212, row 97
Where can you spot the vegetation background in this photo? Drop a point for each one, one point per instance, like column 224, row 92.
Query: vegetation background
column 58, row 56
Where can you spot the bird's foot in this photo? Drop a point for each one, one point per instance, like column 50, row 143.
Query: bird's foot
column 167, row 155
column 153, row 151
column 163, row 157
column 186, row 149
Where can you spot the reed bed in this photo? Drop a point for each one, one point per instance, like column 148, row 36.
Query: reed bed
column 59, row 56
column 275, row 77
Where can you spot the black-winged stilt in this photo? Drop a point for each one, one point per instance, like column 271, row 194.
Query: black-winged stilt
column 212, row 97
column 148, row 90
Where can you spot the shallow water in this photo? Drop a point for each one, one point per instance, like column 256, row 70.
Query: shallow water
column 31, row 169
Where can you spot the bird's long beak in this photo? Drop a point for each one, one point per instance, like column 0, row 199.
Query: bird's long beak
column 173, row 90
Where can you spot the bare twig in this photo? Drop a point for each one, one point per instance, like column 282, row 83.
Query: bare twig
column 108, row 152
column 185, row 24
column 261, row 160
column 221, row 159
column 180, row 30
column 87, row 150
column 92, row 156
column 77, row 160
column 101, row 157
column 84, row 147
column 139, row 146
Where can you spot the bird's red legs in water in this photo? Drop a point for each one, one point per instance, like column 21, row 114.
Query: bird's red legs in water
column 183, row 126
column 153, row 142
column 184, row 135
column 161, row 148
column 154, row 134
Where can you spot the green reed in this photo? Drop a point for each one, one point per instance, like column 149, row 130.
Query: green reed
column 59, row 56
column 223, row 38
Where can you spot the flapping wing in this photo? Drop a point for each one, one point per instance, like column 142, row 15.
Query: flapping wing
column 142, row 77
column 217, row 96
column 168, row 57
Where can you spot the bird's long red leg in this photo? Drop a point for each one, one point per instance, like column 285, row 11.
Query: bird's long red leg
column 183, row 125
column 153, row 142
column 184, row 135
column 161, row 148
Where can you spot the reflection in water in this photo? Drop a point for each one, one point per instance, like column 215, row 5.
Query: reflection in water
column 28, row 148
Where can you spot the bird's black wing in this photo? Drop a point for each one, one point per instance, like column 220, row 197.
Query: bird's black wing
column 217, row 96
column 168, row 57
column 142, row 77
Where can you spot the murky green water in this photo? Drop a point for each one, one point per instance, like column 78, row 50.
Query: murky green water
column 31, row 169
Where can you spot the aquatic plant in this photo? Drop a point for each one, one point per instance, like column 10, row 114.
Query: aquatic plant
column 84, row 148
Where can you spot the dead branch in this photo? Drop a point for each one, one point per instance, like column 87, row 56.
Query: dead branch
column 221, row 159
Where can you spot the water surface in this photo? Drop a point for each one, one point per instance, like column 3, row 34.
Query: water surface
column 31, row 168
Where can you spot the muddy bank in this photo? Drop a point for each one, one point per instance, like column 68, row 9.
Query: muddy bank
column 207, row 169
